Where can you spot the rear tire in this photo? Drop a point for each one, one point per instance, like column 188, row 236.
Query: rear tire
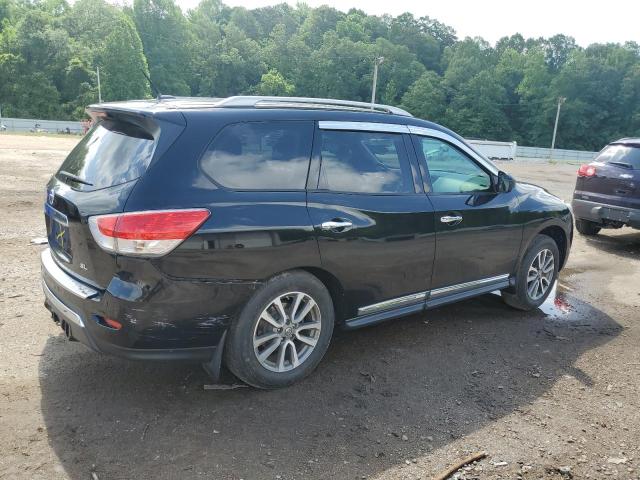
column 536, row 275
column 283, row 332
column 587, row 227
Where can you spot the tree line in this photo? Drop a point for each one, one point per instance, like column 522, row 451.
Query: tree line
column 50, row 49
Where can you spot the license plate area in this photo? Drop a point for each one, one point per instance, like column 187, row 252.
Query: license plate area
column 618, row 215
column 58, row 232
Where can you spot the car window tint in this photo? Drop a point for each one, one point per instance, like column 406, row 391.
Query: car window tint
column 260, row 155
column 621, row 155
column 111, row 153
column 364, row 162
column 450, row 170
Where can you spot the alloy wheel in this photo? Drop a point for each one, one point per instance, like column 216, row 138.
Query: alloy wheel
column 540, row 274
column 287, row 332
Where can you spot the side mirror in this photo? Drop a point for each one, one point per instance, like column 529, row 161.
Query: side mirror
column 506, row 182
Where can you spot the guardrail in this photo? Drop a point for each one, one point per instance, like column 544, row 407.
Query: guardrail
column 48, row 126
column 559, row 155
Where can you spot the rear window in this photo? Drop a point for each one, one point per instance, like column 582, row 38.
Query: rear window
column 621, row 155
column 111, row 153
column 260, row 155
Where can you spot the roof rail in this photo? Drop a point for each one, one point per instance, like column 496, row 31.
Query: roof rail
column 305, row 102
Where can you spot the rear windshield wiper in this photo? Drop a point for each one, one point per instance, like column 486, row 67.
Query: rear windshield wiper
column 622, row 164
column 74, row 178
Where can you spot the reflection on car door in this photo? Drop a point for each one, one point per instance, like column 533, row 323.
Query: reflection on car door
column 374, row 225
column 477, row 235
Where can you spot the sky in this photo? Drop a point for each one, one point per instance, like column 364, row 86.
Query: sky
column 587, row 21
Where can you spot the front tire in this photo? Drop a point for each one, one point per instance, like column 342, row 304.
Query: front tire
column 536, row 274
column 283, row 331
column 586, row 227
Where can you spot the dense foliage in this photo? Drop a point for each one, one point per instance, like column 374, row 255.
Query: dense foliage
column 49, row 51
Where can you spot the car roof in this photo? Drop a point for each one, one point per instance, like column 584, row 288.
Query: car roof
column 267, row 108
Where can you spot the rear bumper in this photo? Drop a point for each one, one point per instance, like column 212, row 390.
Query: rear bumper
column 148, row 331
column 603, row 213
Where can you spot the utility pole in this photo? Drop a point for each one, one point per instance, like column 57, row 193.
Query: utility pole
column 99, row 91
column 561, row 100
column 376, row 63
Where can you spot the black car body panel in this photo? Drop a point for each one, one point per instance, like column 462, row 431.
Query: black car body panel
column 396, row 256
column 611, row 196
column 540, row 211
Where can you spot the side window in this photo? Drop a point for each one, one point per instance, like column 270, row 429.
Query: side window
column 364, row 162
column 260, row 155
column 450, row 170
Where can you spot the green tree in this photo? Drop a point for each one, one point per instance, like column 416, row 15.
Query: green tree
column 273, row 83
column 407, row 31
column 476, row 111
column 536, row 103
column 319, row 21
column 426, row 98
column 444, row 34
column 123, row 63
column 166, row 40
column 592, row 81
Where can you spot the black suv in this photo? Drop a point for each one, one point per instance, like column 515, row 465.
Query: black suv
column 242, row 230
column 607, row 193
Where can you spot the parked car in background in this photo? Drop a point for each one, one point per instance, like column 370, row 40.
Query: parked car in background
column 244, row 229
column 607, row 193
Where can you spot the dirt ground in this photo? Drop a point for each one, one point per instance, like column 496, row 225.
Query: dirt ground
column 548, row 394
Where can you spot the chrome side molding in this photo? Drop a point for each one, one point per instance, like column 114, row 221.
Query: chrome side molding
column 438, row 292
column 393, row 303
column 363, row 126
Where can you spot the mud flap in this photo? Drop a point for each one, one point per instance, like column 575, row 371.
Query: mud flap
column 214, row 366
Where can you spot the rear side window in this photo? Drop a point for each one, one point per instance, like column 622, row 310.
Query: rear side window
column 364, row 162
column 621, row 155
column 260, row 155
column 111, row 153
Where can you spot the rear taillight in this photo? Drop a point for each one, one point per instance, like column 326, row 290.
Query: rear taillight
column 586, row 171
column 148, row 234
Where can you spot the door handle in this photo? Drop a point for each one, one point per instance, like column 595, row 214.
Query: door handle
column 451, row 219
column 336, row 225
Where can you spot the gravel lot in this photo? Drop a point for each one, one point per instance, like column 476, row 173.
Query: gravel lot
column 552, row 393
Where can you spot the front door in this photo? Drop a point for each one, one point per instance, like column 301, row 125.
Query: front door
column 477, row 234
column 374, row 225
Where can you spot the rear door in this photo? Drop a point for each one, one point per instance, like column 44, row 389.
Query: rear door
column 617, row 177
column 477, row 234
column 375, row 227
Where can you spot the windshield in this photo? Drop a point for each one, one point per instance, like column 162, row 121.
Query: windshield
column 111, row 153
column 621, row 155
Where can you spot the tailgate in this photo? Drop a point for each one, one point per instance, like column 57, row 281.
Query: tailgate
column 97, row 178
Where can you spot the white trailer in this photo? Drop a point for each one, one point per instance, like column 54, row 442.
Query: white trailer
column 495, row 150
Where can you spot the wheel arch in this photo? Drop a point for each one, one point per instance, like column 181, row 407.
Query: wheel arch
column 557, row 232
column 333, row 285
column 559, row 236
